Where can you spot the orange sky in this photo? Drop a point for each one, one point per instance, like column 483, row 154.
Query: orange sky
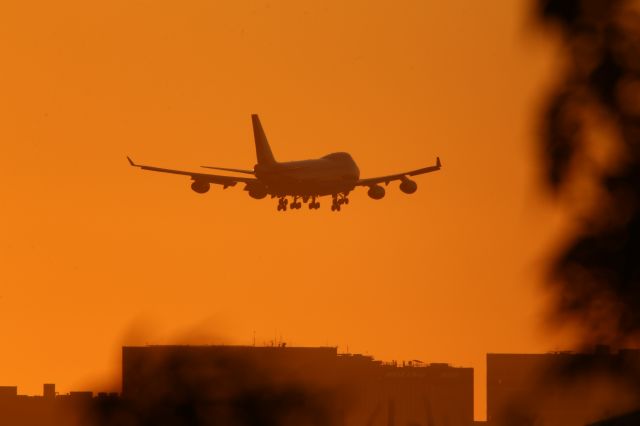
column 95, row 253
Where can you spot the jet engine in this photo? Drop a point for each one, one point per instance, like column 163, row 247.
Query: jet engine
column 200, row 187
column 256, row 190
column 376, row 192
column 408, row 186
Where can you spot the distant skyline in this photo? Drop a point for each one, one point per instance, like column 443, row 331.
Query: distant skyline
column 95, row 255
column 162, row 375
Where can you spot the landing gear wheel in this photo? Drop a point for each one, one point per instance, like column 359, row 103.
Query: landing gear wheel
column 282, row 204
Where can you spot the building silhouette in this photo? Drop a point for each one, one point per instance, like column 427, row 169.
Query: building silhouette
column 283, row 386
column 561, row 388
column 344, row 389
column 249, row 385
column 280, row 385
column 49, row 409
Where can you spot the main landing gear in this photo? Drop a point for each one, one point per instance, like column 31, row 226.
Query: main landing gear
column 283, row 203
column 295, row 204
column 314, row 205
column 338, row 201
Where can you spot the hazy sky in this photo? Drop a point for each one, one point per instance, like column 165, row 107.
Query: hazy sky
column 94, row 253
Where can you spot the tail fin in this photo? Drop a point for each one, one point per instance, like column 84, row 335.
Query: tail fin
column 263, row 151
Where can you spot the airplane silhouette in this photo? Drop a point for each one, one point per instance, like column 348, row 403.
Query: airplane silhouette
column 335, row 174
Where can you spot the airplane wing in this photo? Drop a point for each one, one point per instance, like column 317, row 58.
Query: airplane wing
column 200, row 177
column 400, row 176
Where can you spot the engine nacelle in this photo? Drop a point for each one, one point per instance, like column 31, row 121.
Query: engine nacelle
column 408, row 186
column 376, row 192
column 256, row 190
column 200, row 187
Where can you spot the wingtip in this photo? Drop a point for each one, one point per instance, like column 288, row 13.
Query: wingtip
column 438, row 162
column 130, row 161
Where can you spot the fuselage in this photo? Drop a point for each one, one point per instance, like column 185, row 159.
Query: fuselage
column 332, row 174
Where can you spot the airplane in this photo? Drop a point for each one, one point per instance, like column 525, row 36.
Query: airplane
column 335, row 174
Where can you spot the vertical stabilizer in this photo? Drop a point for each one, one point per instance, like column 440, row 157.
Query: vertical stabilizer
column 263, row 151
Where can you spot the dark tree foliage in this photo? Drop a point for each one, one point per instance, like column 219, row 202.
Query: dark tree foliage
column 596, row 278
